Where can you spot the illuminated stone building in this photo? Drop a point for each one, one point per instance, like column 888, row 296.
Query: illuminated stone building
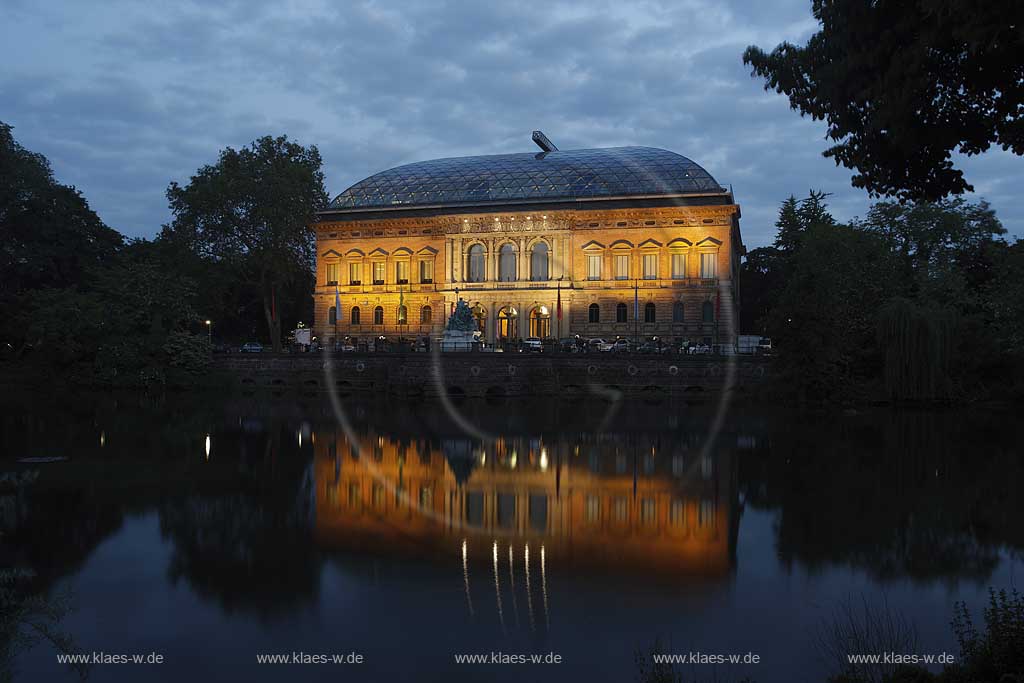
column 617, row 242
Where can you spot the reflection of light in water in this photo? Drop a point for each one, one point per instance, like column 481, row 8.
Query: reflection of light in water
column 207, row 446
column 512, row 584
column 543, row 458
column 544, row 585
column 103, row 439
column 465, row 577
column 497, row 587
column 529, row 598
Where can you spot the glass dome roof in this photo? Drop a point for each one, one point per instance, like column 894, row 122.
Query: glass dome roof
column 543, row 177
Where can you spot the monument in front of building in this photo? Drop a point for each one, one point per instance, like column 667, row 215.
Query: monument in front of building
column 460, row 334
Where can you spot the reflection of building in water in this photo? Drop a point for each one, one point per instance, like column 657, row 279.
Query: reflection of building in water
column 632, row 502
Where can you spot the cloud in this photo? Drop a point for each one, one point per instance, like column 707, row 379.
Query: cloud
column 123, row 99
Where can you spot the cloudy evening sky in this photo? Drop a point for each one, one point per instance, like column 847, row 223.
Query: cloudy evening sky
column 124, row 97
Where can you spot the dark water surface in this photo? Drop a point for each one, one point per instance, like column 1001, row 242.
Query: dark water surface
column 212, row 530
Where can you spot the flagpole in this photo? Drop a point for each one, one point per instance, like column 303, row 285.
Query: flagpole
column 337, row 312
column 636, row 312
column 558, row 308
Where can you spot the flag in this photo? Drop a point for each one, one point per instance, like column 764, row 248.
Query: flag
column 558, row 306
column 337, row 304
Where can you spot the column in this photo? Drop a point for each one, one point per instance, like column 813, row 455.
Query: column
column 492, row 259
column 448, row 273
column 521, row 263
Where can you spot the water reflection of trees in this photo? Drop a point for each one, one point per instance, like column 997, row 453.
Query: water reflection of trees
column 244, row 553
column 249, row 547
column 923, row 495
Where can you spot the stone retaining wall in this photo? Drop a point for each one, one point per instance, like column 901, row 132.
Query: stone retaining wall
column 498, row 375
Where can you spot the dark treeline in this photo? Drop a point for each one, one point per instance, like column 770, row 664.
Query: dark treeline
column 914, row 302
column 83, row 303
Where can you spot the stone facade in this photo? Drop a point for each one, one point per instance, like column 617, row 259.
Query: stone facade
column 680, row 263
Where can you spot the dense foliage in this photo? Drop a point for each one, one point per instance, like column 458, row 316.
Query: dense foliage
column 915, row 301
column 904, row 84
column 79, row 302
column 249, row 216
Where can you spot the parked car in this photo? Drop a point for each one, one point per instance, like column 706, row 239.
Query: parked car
column 251, row 347
column 620, row 346
column 764, row 347
column 569, row 345
column 597, row 345
column 653, row 347
column 533, row 344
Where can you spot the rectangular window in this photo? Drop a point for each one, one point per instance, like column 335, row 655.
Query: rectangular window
column 378, row 273
column 426, row 497
column 678, row 266
column 593, row 267
column 706, row 513
column 355, row 274
column 538, row 512
column 333, row 270
column 378, row 495
column 402, row 272
column 678, row 465
column 427, row 272
column 475, row 508
column 592, row 509
column 677, row 513
column 708, row 263
column 650, row 266
column 506, row 510
column 648, row 511
column 622, row 266
column 353, row 494
column 620, row 510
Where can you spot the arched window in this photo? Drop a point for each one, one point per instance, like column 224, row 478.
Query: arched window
column 332, row 316
column 650, row 313
column 508, row 327
column 403, row 315
column 355, row 315
column 378, row 315
column 507, row 263
column 677, row 312
column 475, row 264
column 620, row 313
column 594, row 314
column 539, row 262
column 426, row 315
column 540, row 322
column 707, row 312
column 480, row 316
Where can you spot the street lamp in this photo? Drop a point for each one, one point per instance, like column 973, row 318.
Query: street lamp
column 209, row 331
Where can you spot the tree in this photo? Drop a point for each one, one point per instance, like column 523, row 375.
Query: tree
column 825, row 318
column 252, row 212
column 764, row 271
column 945, row 250
column 789, row 226
column 50, row 236
column 903, row 84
